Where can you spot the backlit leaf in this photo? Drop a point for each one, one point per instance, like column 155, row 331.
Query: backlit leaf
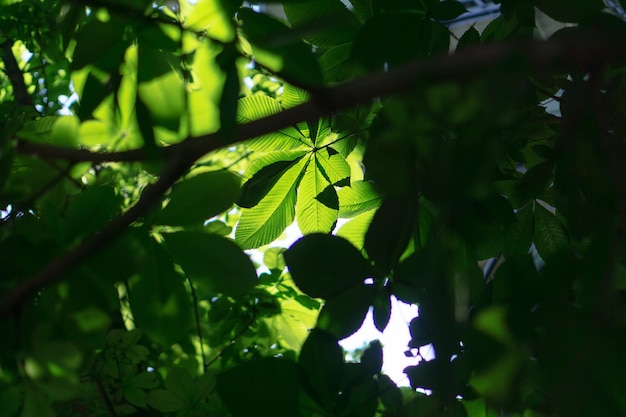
column 264, row 222
column 311, row 213
column 359, row 197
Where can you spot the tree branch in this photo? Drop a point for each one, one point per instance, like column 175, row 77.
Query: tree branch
column 20, row 92
column 584, row 51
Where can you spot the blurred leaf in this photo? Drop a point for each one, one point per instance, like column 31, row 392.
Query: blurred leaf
column 261, row 380
column 212, row 260
column 329, row 22
column 279, row 48
column 199, row 198
column 447, row 10
column 389, row 232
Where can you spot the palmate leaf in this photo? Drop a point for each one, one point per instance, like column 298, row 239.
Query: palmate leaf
column 264, row 222
column 257, row 107
column 333, row 166
column 312, row 213
column 358, row 198
column 263, row 174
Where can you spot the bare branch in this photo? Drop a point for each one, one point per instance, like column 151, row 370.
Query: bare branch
column 586, row 51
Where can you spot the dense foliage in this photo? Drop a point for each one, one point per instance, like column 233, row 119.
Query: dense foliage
column 480, row 175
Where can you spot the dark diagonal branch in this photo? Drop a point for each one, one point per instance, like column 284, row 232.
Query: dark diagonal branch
column 20, row 92
column 585, row 52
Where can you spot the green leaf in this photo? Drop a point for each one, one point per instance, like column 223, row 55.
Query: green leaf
column 354, row 230
column 333, row 166
column 144, row 121
column 273, row 258
column 447, row 10
column 256, row 107
column 230, row 92
column 343, row 314
column 199, row 198
column 212, row 260
column 372, row 358
column 550, row 236
column 89, row 211
column 519, row 235
column 323, row 266
column 390, row 230
column 359, row 197
column 264, row 223
column 165, row 402
column 159, row 301
column 382, row 311
column 335, row 63
column 263, row 180
column 469, row 38
column 161, row 89
column 259, row 106
column 280, row 48
column 270, row 385
column 100, row 44
column 321, row 359
column 294, row 323
column 329, row 22
column 311, row 213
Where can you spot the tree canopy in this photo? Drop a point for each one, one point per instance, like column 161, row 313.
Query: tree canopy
column 146, row 145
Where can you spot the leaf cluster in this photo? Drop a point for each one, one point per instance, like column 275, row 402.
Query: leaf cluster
column 154, row 154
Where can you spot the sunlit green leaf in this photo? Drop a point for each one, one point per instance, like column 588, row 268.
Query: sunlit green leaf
column 265, row 172
column 315, row 214
column 359, row 197
column 264, row 222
